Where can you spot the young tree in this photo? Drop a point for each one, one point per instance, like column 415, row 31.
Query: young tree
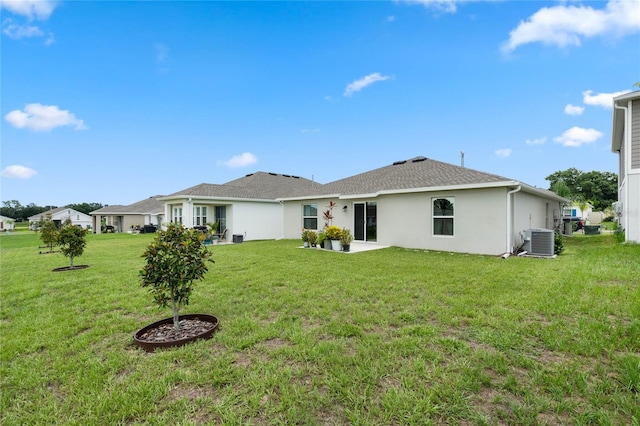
column 71, row 241
column 48, row 233
column 176, row 258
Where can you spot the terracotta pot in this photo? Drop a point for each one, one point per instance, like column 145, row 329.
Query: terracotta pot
column 150, row 346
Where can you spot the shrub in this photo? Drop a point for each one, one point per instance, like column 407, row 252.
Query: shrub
column 48, row 233
column 333, row 232
column 558, row 243
column 71, row 241
column 175, row 259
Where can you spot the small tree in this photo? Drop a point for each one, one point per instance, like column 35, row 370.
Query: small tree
column 49, row 233
column 71, row 241
column 176, row 258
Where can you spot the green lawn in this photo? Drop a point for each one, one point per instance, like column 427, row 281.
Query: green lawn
column 386, row 337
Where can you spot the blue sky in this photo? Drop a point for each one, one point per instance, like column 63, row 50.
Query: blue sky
column 113, row 102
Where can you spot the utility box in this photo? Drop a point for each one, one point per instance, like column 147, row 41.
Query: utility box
column 568, row 228
column 539, row 242
column 237, row 238
column 591, row 230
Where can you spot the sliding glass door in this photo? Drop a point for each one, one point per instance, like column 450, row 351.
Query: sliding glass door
column 365, row 221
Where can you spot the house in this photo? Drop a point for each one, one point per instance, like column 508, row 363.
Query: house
column 60, row 215
column 248, row 207
column 426, row 204
column 6, row 224
column 625, row 141
column 118, row 218
column 582, row 210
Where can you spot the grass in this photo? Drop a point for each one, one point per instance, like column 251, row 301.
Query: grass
column 393, row 336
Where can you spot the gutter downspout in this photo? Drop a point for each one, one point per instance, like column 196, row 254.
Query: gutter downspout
column 509, row 217
column 624, row 148
column 281, row 237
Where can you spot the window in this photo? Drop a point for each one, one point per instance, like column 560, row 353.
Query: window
column 199, row 215
column 443, row 216
column 177, row 215
column 310, row 216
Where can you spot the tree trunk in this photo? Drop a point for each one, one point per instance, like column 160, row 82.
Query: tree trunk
column 71, row 262
column 176, row 314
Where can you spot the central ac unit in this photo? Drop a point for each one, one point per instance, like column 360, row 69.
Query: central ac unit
column 539, row 242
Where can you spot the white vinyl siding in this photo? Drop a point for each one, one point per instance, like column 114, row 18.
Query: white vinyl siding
column 635, row 135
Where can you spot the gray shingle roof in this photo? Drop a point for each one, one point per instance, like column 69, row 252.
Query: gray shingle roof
column 257, row 186
column 418, row 172
column 149, row 205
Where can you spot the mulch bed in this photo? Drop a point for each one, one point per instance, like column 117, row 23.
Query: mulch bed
column 167, row 332
column 70, row 268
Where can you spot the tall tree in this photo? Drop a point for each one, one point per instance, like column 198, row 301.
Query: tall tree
column 598, row 188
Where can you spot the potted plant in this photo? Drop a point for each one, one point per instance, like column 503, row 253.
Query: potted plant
column 327, row 215
column 321, row 239
column 212, row 233
column 345, row 239
column 175, row 260
column 312, row 236
column 305, row 238
column 334, row 233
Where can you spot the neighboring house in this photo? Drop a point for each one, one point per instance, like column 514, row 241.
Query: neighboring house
column 575, row 210
column 246, row 207
column 625, row 141
column 426, row 204
column 149, row 211
column 6, row 224
column 60, row 215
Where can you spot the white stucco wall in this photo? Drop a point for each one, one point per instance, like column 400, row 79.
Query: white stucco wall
column 405, row 220
column 532, row 212
column 255, row 220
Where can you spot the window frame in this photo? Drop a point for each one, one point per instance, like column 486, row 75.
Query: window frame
column 177, row 215
column 310, row 217
column 199, row 215
column 441, row 217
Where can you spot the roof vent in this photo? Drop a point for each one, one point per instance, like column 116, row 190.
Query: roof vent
column 418, row 159
column 273, row 174
column 250, row 174
column 286, row 175
column 397, row 163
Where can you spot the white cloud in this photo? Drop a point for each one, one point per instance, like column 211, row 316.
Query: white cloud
column 31, row 9
column 17, row 31
column 162, row 52
column 309, row 130
column 391, row 18
column 447, row 6
column 573, row 110
column 43, row 118
column 577, row 136
column 601, row 99
column 538, row 141
column 566, row 25
column 18, row 172
column 504, row 153
column 242, row 160
column 360, row 84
